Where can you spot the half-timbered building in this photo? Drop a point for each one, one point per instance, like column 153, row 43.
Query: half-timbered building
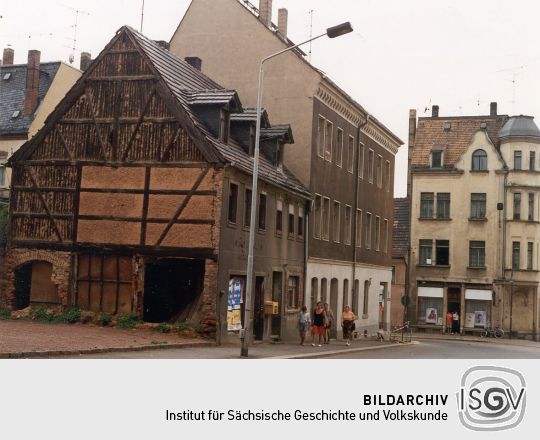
column 116, row 204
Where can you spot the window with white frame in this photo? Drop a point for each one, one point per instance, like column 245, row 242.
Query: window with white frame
column 379, row 171
column 377, row 233
column 360, row 161
column 350, row 155
column 368, row 230
column 328, row 137
column 320, row 136
column 388, row 176
column 358, row 228
column 300, row 231
column 386, row 233
column 290, row 222
column 371, row 164
column 326, row 219
column 317, row 216
column 348, row 224
column 336, row 214
column 279, row 217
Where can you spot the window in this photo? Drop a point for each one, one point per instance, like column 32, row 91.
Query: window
column 328, row 135
column 358, row 228
column 368, row 230
column 479, row 160
column 2, row 176
column 426, row 205
column 317, row 217
column 477, row 253
column 377, row 233
column 262, row 212
column 442, row 253
column 300, row 231
column 348, row 224
column 530, row 215
column 293, row 292
column 233, row 202
column 366, row 298
column 436, row 159
column 290, row 223
column 478, row 205
column 247, row 208
column 326, row 219
column 335, row 221
column 361, row 161
column 320, row 136
column 532, row 160
column 388, row 177
column 426, row 249
column 515, row 254
column 517, row 206
column 443, row 205
column 371, row 159
column 339, row 149
column 517, row 160
column 379, row 171
column 385, row 239
column 529, row 255
column 279, row 217
column 354, row 305
column 350, row 155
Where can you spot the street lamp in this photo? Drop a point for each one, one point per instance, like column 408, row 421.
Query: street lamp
column 332, row 32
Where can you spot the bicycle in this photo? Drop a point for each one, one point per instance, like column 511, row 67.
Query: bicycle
column 496, row 332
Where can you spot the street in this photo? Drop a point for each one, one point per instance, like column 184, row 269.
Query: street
column 421, row 349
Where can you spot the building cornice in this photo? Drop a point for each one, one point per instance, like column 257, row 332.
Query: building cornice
column 357, row 115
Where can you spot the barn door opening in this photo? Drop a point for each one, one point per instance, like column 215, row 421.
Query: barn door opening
column 171, row 288
column 23, row 283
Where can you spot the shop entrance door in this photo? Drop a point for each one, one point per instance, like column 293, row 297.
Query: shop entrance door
column 454, row 299
column 258, row 309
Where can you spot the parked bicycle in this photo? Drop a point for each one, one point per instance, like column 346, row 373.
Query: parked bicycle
column 496, row 332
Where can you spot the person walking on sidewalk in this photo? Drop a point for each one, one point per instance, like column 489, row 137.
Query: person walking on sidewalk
column 455, row 323
column 319, row 317
column 347, row 323
column 329, row 324
column 304, row 321
column 449, row 322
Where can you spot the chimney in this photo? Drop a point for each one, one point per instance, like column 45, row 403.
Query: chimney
column 32, row 82
column 283, row 16
column 412, row 138
column 435, row 111
column 493, row 109
column 194, row 62
column 265, row 11
column 9, row 55
column 163, row 44
column 86, row 60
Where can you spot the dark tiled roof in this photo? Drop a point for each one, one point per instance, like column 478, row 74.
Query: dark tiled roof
column 185, row 81
column 278, row 131
column 250, row 115
column 400, row 237
column 12, row 93
column 454, row 141
column 212, row 97
column 520, row 126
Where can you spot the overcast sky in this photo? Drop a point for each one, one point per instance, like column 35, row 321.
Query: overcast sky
column 459, row 54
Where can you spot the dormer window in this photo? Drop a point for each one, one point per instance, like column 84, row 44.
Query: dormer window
column 479, row 160
column 437, row 158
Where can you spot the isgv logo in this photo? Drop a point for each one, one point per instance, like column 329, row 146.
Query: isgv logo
column 491, row 398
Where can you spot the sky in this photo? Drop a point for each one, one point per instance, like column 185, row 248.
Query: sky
column 403, row 54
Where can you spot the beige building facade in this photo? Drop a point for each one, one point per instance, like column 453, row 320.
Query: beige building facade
column 470, row 253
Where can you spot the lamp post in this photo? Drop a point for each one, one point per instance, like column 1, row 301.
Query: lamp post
column 332, row 32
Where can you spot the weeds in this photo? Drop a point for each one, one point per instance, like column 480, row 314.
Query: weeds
column 104, row 319
column 128, row 321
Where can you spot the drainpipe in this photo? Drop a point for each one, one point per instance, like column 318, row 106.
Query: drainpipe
column 355, row 204
column 306, row 250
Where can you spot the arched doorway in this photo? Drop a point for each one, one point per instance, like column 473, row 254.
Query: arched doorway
column 324, row 290
column 345, row 300
column 334, row 304
column 314, row 291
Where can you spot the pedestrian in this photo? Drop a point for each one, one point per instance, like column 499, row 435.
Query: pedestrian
column 304, row 321
column 449, row 319
column 347, row 323
column 319, row 316
column 455, row 322
column 329, row 322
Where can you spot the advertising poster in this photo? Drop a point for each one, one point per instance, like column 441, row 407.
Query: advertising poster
column 431, row 316
column 480, row 319
column 234, row 317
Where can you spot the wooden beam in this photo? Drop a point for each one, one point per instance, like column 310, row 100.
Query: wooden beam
column 184, row 164
column 45, row 206
column 122, row 121
column 182, row 206
column 160, row 192
column 139, row 122
column 90, row 104
column 170, row 145
column 44, row 189
column 76, row 204
column 146, row 201
column 114, row 218
column 63, row 142
column 121, row 78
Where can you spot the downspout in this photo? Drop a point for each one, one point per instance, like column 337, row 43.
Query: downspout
column 306, row 250
column 355, row 204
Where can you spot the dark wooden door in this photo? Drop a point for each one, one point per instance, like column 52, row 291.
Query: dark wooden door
column 258, row 310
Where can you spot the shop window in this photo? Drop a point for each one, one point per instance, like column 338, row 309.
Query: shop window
column 477, row 314
column 429, row 310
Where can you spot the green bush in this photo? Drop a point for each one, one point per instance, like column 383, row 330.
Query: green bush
column 163, row 327
column 104, row 319
column 5, row 314
column 128, row 321
column 70, row 317
column 42, row 315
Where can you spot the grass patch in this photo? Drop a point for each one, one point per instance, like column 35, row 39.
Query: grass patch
column 104, row 319
column 5, row 314
column 70, row 316
column 128, row 321
column 163, row 327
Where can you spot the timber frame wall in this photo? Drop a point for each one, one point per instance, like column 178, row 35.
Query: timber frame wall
column 119, row 169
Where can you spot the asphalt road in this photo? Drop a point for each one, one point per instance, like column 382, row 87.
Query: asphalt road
column 437, row 349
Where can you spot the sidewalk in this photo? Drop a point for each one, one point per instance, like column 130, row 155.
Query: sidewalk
column 501, row 341
column 25, row 339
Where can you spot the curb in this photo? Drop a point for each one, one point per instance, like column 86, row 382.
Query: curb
column 57, row 353
column 348, row 350
column 480, row 341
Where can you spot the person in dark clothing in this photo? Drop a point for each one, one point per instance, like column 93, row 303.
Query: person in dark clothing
column 319, row 318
